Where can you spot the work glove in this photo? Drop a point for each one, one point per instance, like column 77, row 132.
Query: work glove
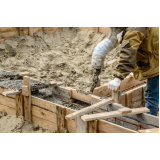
column 114, row 84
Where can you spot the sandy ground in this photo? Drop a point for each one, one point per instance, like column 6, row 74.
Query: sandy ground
column 11, row 124
column 63, row 56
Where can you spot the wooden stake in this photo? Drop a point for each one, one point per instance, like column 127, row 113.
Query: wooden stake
column 30, row 31
column 19, row 105
column 92, row 126
column 27, row 98
column 81, row 126
column 61, row 112
column 116, row 95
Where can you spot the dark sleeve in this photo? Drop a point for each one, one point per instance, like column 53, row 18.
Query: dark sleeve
column 128, row 52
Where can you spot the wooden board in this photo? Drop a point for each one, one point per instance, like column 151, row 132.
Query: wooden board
column 92, row 126
column 8, row 101
column 81, row 96
column 9, row 93
column 127, row 83
column 61, row 125
column 47, row 115
column 81, row 126
column 90, row 108
column 9, row 110
column 27, row 99
column 95, row 29
column 19, row 105
column 62, row 91
column 154, row 130
column 43, row 104
column 104, row 30
column 108, row 127
column 141, row 118
column 106, row 115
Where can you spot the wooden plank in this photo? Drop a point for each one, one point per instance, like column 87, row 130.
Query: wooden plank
column 90, row 108
column 44, row 104
column 19, row 105
column 95, row 99
column 104, row 30
column 47, row 115
column 123, row 100
column 44, row 123
column 124, row 110
column 143, row 118
column 21, row 74
column 30, row 31
column 81, row 126
column 8, row 93
column 81, row 96
column 5, row 90
column 9, row 110
column 61, row 125
column 154, row 130
column 108, row 127
column 106, row 115
column 128, row 97
column 92, row 126
column 127, row 83
column 116, row 96
column 62, row 91
column 8, row 101
column 27, row 99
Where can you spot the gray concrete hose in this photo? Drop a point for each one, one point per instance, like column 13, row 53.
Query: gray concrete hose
column 104, row 47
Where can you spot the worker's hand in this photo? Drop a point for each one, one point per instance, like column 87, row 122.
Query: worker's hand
column 114, row 84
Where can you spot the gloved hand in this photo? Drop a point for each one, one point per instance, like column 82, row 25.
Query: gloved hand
column 114, row 84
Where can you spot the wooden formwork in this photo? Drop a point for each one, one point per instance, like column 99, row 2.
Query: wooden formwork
column 8, row 32
column 54, row 116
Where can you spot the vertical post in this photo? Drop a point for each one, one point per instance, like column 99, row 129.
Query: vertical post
column 26, row 92
column 81, row 126
column 92, row 126
column 30, row 31
column 129, row 99
column 19, row 105
column 61, row 113
column 116, row 95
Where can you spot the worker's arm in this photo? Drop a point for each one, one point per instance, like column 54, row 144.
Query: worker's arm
column 128, row 54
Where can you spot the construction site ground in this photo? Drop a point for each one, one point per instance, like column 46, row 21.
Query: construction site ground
column 63, row 56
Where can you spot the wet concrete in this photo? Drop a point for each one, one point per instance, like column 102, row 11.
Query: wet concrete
column 39, row 91
column 4, row 74
column 17, row 84
column 95, row 79
column 11, row 124
column 49, row 96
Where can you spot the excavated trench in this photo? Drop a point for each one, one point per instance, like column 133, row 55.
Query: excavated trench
column 17, row 83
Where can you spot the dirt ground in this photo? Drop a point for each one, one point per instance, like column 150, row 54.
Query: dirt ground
column 63, row 56
column 11, row 124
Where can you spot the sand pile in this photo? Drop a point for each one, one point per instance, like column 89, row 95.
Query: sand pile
column 11, row 124
column 63, row 56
